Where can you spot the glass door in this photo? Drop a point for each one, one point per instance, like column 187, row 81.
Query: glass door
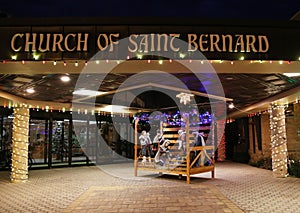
column 38, row 143
column 59, row 147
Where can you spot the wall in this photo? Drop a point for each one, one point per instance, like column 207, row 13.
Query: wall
column 293, row 133
column 265, row 152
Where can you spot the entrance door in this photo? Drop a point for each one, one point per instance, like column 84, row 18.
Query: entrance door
column 38, row 143
column 59, row 143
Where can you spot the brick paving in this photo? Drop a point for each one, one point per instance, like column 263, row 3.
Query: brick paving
column 236, row 188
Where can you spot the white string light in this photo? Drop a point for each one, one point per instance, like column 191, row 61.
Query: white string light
column 278, row 140
column 19, row 171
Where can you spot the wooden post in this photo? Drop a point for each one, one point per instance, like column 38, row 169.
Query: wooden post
column 187, row 145
column 135, row 146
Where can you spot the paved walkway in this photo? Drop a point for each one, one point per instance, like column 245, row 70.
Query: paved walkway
column 236, row 188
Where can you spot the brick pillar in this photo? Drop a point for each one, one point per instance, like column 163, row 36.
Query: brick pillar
column 19, row 170
column 278, row 140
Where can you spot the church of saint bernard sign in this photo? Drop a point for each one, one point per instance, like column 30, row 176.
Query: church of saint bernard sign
column 147, row 43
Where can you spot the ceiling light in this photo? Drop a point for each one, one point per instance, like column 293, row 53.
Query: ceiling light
column 86, row 92
column 65, row 78
column 30, row 90
column 293, row 74
column 231, row 106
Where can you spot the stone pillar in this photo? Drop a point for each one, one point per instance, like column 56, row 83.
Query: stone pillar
column 278, row 140
column 19, row 170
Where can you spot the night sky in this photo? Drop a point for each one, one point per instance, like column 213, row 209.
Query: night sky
column 233, row 9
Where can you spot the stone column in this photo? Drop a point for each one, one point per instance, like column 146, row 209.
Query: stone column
column 278, row 140
column 19, row 170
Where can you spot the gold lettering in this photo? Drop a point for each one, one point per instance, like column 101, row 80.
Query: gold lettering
column 84, row 41
column 13, row 41
column 67, row 44
column 133, row 42
column 224, row 49
column 143, row 42
column 173, row 36
column 262, row 39
column 201, row 42
column 214, row 43
column 28, row 42
column 47, row 48
column 57, row 39
column 239, row 42
column 250, row 41
column 159, row 36
column 192, row 42
column 111, row 49
column 152, row 42
column 100, row 47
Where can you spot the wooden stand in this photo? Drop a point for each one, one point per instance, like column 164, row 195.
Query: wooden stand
column 185, row 166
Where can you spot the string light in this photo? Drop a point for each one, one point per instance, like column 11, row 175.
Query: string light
column 278, row 140
column 19, row 171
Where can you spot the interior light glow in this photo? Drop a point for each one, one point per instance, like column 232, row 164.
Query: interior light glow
column 86, row 92
column 115, row 109
column 292, row 74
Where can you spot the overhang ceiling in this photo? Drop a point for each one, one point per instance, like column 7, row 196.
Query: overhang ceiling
column 243, row 84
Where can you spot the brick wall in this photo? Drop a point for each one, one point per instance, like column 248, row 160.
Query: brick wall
column 293, row 133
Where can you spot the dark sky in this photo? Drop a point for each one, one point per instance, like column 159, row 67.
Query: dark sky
column 253, row 9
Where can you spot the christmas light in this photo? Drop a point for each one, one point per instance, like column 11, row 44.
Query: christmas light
column 19, row 171
column 278, row 140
